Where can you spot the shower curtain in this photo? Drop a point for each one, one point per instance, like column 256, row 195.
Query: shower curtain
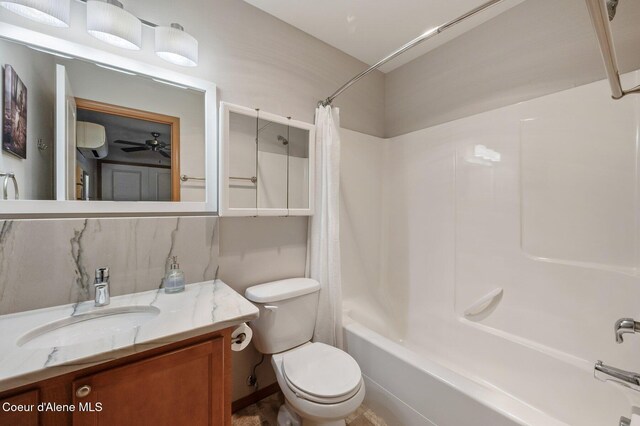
column 323, row 243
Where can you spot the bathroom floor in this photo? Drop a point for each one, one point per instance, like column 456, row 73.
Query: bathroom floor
column 265, row 413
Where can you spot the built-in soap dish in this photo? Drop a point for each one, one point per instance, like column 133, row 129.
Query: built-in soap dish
column 482, row 304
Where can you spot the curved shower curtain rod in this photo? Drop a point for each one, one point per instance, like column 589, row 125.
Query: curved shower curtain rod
column 413, row 43
column 599, row 10
column 601, row 13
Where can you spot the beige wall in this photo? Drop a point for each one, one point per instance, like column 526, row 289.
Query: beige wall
column 255, row 59
column 536, row 48
column 253, row 251
column 258, row 61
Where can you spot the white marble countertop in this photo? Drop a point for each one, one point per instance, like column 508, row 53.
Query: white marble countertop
column 202, row 308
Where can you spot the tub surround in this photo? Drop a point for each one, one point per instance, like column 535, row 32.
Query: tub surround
column 202, row 308
column 543, row 224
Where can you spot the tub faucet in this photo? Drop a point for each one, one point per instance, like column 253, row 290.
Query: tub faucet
column 624, row 326
column 102, row 287
column 604, row 372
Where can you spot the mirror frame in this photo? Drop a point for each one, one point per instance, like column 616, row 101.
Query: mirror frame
column 15, row 209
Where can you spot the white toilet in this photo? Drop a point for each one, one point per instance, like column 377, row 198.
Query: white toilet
column 322, row 385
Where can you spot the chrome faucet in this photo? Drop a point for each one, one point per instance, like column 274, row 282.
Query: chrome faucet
column 624, row 326
column 102, row 287
column 626, row 378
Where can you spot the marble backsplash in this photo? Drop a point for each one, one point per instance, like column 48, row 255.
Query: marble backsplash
column 51, row 262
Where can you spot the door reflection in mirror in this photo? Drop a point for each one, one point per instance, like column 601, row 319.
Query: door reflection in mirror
column 128, row 153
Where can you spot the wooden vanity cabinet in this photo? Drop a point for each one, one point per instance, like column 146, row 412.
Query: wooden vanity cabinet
column 28, row 417
column 185, row 383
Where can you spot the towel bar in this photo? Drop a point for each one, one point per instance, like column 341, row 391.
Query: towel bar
column 5, row 186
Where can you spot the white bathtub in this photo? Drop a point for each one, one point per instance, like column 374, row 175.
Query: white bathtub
column 487, row 380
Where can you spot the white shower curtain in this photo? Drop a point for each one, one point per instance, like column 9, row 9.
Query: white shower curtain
column 323, row 249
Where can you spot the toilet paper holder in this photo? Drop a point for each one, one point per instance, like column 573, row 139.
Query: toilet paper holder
column 239, row 338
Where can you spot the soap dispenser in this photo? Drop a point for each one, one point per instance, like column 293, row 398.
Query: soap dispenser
column 174, row 281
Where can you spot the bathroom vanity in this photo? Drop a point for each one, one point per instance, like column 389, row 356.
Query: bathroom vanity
column 167, row 365
column 135, row 389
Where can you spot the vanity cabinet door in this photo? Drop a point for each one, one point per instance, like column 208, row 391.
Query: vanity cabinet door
column 20, row 410
column 181, row 387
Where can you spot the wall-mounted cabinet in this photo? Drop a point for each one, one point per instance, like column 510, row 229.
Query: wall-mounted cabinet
column 266, row 164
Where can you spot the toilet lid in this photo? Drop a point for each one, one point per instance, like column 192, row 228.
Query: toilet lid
column 321, row 372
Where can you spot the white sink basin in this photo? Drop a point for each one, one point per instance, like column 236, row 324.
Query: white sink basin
column 90, row 326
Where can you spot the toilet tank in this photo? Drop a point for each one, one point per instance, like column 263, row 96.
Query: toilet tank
column 288, row 310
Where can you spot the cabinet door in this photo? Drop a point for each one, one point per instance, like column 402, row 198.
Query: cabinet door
column 273, row 147
column 238, row 174
column 301, row 170
column 181, row 387
column 28, row 401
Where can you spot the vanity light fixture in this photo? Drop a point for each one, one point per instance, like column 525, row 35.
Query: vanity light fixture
column 109, row 22
column 175, row 45
column 51, row 12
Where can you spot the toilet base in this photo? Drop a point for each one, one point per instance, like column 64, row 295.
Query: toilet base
column 288, row 417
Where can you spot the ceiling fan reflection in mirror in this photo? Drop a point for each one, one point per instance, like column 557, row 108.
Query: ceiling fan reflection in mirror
column 154, row 145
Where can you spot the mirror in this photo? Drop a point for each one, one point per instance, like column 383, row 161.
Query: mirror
column 272, row 166
column 299, row 170
column 135, row 137
column 266, row 163
column 75, row 129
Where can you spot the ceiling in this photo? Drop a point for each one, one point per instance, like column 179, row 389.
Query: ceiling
column 371, row 29
column 129, row 129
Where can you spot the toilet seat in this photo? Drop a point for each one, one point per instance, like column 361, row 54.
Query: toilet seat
column 321, row 373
